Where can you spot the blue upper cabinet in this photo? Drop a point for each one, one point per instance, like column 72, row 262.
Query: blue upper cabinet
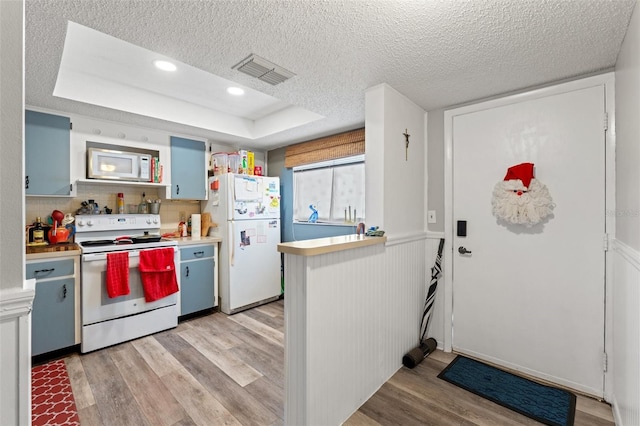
column 188, row 174
column 47, row 153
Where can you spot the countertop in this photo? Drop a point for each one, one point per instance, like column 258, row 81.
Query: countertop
column 52, row 250
column 190, row 241
column 328, row 245
column 73, row 249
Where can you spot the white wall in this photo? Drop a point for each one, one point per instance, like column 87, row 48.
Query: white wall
column 625, row 366
column 395, row 187
column 628, row 136
column 15, row 355
column 11, row 135
column 435, row 167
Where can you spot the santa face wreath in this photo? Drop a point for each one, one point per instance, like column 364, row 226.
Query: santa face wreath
column 520, row 198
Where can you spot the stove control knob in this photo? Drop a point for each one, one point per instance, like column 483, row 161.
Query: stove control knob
column 155, row 220
column 89, row 222
column 148, row 221
column 80, row 222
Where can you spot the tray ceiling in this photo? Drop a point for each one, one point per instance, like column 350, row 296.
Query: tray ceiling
column 437, row 53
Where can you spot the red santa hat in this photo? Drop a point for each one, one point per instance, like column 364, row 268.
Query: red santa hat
column 523, row 171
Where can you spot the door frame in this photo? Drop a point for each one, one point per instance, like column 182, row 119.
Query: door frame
column 608, row 81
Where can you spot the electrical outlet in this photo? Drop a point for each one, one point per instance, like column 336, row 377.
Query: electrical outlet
column 431, row 216
column 182, row 216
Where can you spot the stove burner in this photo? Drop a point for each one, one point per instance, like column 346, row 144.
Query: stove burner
column 109, row 242
column 97, row 243
column 123, row 241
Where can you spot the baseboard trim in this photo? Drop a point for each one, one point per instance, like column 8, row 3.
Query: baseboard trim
column 405, row 238
column 435, row 235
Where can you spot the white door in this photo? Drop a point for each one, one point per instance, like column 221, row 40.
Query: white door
column 532, row 298
column 254, row 273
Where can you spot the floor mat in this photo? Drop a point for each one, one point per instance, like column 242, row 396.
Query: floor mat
column 546, row 404
column 52, row 400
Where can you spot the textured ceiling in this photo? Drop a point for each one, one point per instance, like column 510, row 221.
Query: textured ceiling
column 438, row 53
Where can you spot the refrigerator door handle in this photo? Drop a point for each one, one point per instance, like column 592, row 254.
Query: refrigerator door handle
column 232, row 240
column 229, row 194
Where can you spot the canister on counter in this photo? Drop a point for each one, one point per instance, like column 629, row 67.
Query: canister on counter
column 234, row 163
column 220, row 162
column 196, row 225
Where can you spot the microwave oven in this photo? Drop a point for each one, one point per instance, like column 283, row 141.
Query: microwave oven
column 114, row 164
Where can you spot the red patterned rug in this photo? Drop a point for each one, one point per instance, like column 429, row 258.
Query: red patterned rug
column 52, row 400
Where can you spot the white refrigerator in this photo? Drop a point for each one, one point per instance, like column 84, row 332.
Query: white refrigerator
column 246, row 210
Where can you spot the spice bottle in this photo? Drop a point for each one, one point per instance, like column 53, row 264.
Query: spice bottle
column 120, row 203
column 142, row 207
column 38, row 232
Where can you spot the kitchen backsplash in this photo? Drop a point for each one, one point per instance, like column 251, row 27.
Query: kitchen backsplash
column 105, row 195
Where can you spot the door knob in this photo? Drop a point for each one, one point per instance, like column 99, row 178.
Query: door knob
column 463, row 250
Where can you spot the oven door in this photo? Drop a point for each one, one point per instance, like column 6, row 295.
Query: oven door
column 97, row 306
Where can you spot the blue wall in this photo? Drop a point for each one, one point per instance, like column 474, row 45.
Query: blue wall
column 286, row 204
column 302, row 231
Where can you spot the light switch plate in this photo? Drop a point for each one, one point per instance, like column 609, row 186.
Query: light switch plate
column 431, row 216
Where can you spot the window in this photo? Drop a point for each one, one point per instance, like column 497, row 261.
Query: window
column 334, row 188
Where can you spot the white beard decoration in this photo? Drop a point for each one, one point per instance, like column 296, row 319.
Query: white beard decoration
column 518, row 204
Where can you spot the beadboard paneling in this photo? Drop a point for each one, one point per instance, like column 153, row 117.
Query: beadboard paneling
column 350, row 317
column 626, row 335
column 15, row 353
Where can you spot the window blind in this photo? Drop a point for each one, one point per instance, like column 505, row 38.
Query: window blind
column 345, row 144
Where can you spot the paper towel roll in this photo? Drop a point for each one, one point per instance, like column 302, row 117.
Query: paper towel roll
column 195, row 225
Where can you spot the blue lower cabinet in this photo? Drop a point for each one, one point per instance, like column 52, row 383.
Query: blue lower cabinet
column 53, row 316
column 196, row 284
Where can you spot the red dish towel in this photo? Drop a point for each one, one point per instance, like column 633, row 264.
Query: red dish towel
column 158, row 273
column 118, row 274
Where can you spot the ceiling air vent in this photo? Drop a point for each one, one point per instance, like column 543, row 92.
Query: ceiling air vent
column 263, row 70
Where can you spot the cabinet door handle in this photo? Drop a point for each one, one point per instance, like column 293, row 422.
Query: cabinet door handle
column 44, row 271
column 26, row 182
column 177, row 189
column 198, row 253
column 64, row 291
column 187, row 272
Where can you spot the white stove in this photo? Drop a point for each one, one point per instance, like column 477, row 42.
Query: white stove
column 110, row 320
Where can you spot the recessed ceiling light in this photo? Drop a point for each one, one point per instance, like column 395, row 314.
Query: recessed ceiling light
column 164, row 65
column 235, row 91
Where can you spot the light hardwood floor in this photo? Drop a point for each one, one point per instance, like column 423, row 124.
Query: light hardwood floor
column 229, row 370
column 419, row 397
